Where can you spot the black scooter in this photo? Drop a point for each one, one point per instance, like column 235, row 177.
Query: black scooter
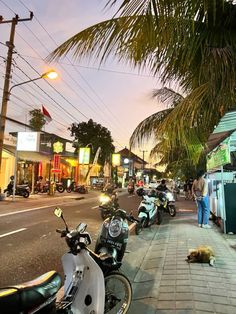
column 77, row 188
column 21, row 190
column 108, row 202
column 114, row 234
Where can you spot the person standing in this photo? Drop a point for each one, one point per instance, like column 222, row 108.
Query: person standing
column 200, row 192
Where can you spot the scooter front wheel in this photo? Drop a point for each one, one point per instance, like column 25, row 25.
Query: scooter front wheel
column 172, row 210
column 140, row 225
column 118, row 293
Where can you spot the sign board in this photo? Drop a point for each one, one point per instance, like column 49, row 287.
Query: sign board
column 56, row 170
column 116, row 160
column 219, row 157
column 69, row 147
column 84, row 155
column 56, row 161
column 28, row 141
column 57, row 147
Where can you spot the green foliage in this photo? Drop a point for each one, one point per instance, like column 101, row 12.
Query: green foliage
column 189, row 41
column 96, row 135
column 37, row 120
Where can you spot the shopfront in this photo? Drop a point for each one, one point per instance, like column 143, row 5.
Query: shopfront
column 221, row 167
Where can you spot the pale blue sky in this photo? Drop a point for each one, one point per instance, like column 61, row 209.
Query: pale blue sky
column 115, row 96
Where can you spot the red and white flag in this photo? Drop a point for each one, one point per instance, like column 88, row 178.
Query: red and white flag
column 46, row 114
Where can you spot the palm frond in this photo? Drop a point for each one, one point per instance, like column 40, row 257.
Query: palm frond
column 148, row 127
column 167, row 96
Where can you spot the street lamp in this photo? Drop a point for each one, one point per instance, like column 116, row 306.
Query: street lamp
column 52, row 75
column 6, row 93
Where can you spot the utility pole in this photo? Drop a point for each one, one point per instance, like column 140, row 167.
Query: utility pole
column 5, row 97
column 143, row 151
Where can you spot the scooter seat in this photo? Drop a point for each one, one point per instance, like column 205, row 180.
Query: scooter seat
column 29, row 295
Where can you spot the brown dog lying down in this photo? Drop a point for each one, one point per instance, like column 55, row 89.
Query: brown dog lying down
column 202, row 254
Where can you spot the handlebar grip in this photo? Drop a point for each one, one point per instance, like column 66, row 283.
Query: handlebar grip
column 62, row 232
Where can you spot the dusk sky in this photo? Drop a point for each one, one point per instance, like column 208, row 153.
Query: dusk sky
column 116, row 96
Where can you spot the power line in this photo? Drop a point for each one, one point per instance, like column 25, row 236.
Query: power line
column 33, row 95
column 42, row 59
column 115, row 119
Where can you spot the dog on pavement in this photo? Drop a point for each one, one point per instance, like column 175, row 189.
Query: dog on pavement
column 201, row 254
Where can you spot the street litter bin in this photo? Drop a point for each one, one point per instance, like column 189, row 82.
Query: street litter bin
column 52, row 188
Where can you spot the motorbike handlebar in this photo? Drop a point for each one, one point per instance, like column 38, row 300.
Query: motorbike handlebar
column 62, row 232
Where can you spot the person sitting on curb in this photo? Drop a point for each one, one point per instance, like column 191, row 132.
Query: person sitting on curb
column 200, row 192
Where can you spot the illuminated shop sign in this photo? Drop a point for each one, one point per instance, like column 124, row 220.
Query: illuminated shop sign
column 28, row 141
column 84, row 155
column 116, row 160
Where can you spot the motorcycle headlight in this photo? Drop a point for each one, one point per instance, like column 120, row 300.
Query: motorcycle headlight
column 169, row 196
column 115, row 228
column 104, row 199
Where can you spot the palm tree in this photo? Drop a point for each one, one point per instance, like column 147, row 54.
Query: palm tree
column 191, row 41
column 180, row 153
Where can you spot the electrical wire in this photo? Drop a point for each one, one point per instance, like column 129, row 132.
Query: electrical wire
column 39, row 73
column 115, row 118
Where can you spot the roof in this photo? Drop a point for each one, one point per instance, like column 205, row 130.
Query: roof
column 225, row 128
column 125, row 152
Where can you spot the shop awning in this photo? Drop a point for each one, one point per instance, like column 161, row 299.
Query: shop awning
column 216, row 138
column 225, row 128
column 33, row 156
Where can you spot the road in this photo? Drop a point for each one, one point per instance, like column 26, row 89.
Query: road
column 29, row 245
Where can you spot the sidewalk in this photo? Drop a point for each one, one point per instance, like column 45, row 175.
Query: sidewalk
column 163, row 282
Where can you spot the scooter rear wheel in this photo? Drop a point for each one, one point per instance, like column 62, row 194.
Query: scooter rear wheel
column 118, row 293
column 26, row 194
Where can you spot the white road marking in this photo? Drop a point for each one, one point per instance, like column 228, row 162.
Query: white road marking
column 12, row 232
column 95, row 207
column 36, row 208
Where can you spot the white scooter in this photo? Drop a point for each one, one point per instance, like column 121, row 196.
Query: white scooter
column 86, row 289
column 148, row 212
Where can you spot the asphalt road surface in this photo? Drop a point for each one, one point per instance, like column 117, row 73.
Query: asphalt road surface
column 29, row 244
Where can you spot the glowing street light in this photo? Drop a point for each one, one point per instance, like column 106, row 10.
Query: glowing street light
column 6, row 94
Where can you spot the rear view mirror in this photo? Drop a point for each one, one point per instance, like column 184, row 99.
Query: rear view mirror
column 58, row 212
column 81, row 227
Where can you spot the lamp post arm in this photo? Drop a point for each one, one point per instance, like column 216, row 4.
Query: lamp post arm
column 38, row 78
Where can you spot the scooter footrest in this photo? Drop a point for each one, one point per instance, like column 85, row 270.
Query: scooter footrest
column 63, row 305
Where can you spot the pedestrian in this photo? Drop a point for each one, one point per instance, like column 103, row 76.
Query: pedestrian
column 200, row 192
column 190, row 185
column 186, row 190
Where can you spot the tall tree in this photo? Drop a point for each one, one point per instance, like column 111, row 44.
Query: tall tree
column 96, row 135
column 37, row 120
column 191, row 41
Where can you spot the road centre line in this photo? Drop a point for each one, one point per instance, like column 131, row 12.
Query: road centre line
column 32, row 209
column 41, row 207
column 12, row 232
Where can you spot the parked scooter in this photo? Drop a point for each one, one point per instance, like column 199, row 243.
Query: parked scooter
column 148, row 212
column 77, row 188
column 21, row 189
column 86, row 288
column 114, row 235
column 44, row 188
column 166, row 203
column 108, row 201
column 140, row 191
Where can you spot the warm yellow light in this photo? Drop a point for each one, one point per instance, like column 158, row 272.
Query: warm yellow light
column 52, row 75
